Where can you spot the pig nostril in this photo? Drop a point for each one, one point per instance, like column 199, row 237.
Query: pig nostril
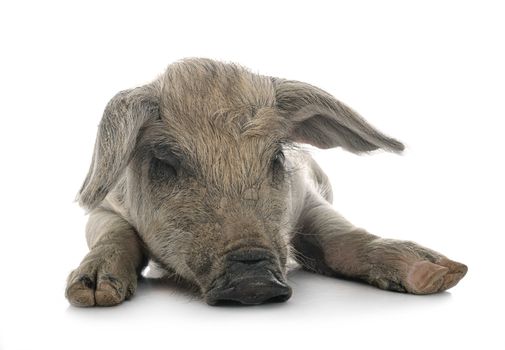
column 279, row 298
column 276, row 300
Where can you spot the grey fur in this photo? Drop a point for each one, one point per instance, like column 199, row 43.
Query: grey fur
column 124, row 115
column 204, row 160
column 324, row 122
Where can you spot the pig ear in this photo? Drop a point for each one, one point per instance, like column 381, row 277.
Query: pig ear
column 319, row 119
column 115, row 142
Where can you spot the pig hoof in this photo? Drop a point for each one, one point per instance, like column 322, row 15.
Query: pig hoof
column 80, row 292
column 93, row 286
column 425, row 277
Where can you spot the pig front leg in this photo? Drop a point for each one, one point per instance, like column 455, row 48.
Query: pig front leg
column 328, row 244
column 108, row 273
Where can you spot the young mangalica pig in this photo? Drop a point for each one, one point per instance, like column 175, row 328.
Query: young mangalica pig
column 199, row 172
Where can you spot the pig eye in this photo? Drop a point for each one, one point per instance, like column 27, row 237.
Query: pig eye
column 163, row 168
column 278, row 167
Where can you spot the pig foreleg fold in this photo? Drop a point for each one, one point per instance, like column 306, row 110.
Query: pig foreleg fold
column 326, row 243
column 108, row 273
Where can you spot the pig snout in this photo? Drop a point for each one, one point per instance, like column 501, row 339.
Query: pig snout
column 250, row 278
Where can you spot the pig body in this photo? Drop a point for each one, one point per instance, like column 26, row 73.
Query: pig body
column 201, row 172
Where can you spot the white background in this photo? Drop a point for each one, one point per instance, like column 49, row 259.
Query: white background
column 430, row 73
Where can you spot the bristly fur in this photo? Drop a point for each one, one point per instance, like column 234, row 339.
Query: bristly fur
column 205, row 161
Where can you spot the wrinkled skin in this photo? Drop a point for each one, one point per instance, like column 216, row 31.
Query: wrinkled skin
column 200, row 172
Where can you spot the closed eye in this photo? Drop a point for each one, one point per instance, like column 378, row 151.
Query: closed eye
column 161, row 169
column 164, row 164
column 277, row 166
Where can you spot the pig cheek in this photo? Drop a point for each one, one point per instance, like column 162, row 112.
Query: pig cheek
column 203, row 259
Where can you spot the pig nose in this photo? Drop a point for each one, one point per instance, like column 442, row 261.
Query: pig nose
column 249, row 279
column 250, row 291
